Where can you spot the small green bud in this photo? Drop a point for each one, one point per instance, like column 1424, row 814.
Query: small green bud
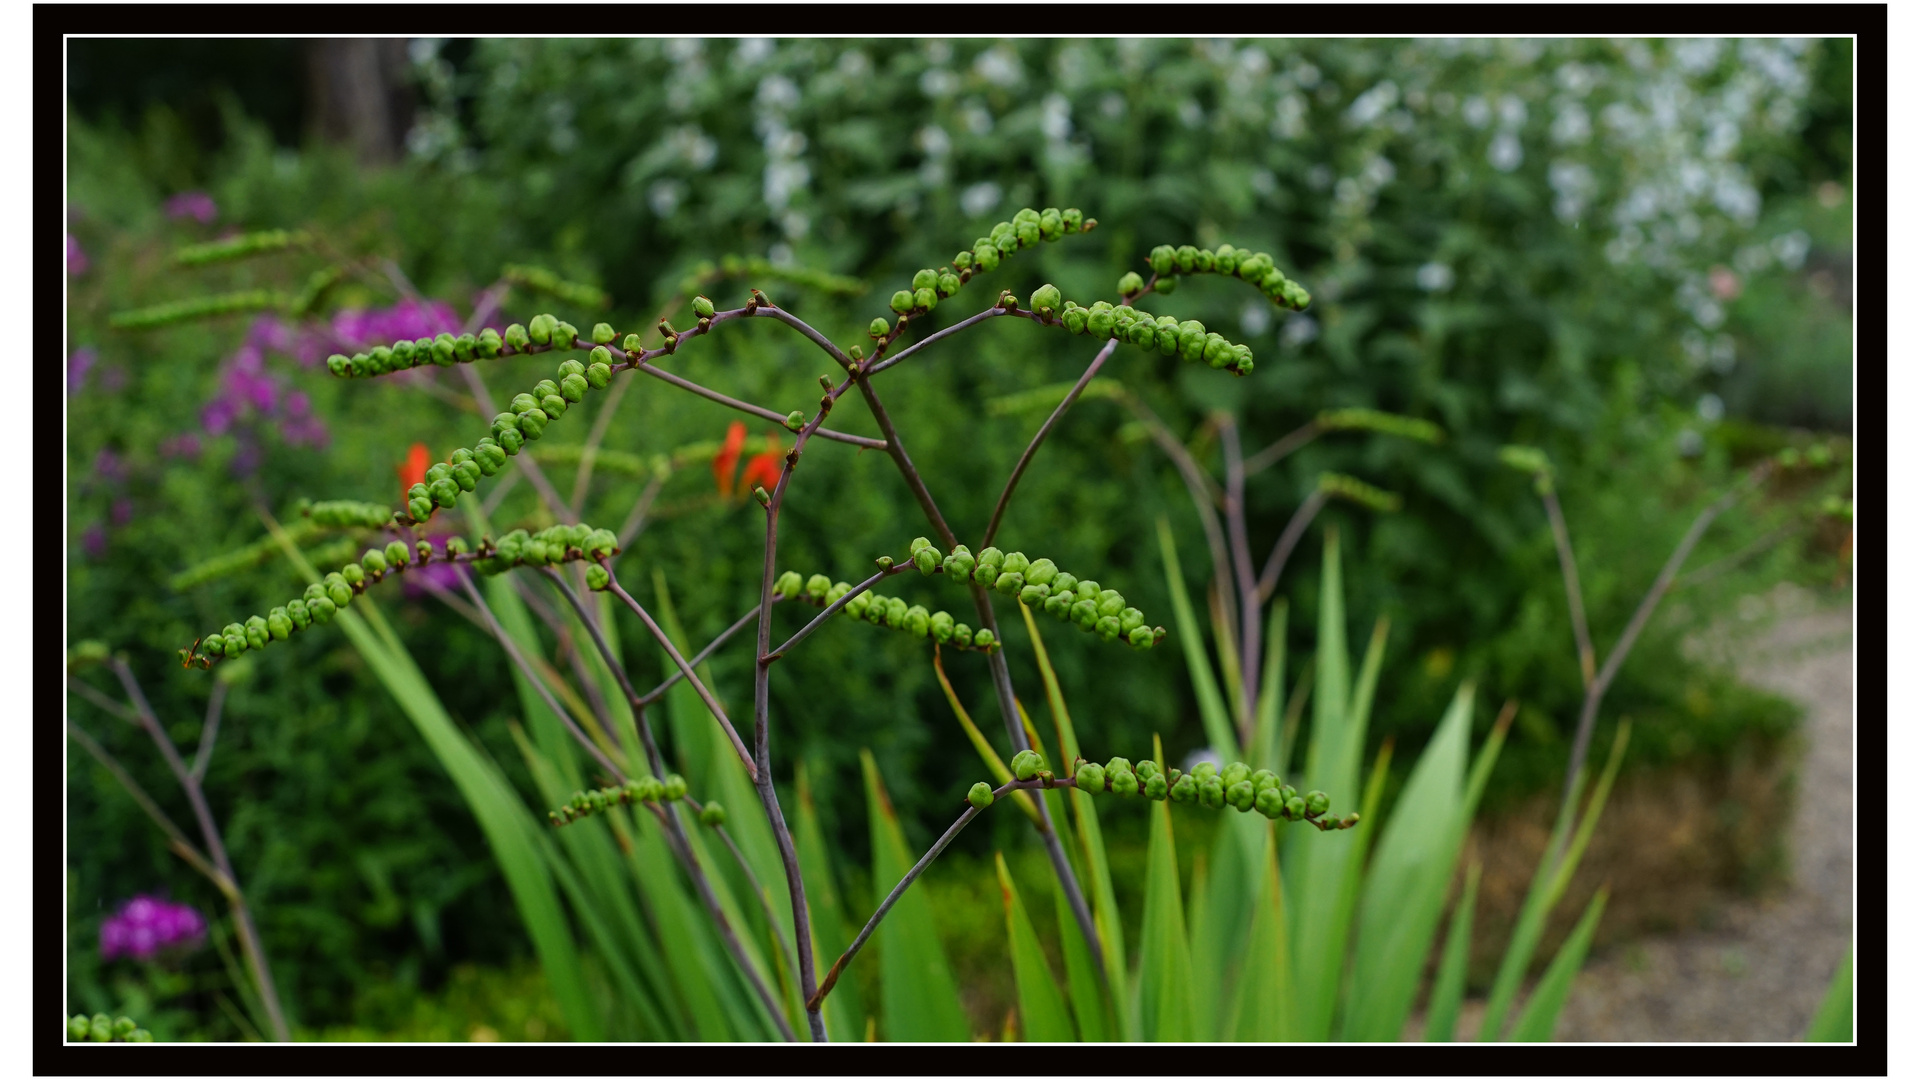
column 1318, row 803
column 1072, row 220
column 564, row 335
column 553, row 404
column 1154, row 786
column 1090, row 778
column 983, row 639
column 1166, row 285
column 857, row 607
column 1296, row 808
column 1234, row 773
column 599, row 375
column 374, row 561
column 518, row 337
column 1130, row 283
column 703, row 307
column 1027, row 233
column 1085, row 614
column 962, row 636
column 573, row 387
column 100, row 1028
column 895, row 615
column 902, row 302
column 1075, row 320
column 987, row 565
column 1052, row 227
column 532, row 422
column 713, row 813
column 980, row 795
column 925, row 299
column 925, row 279
column 987, row 256
column 1026, row 765
column 941, row 627
column 78, row 1029
column 486, row 345
column 1142, row 637
column 443, row 350
column 788, row 585
column 445, row 493
column 917, row 621
column 1184, row 790
column 1009, row 584
column 926, row 560
column 1239, row 796
column 321, row 608
column 817, row 587
column 961, row 562
column 676, row 787
column 463, row 348
column 1045, row 301
column 1033, row 595
column 1058, row 605
column 1161, row 259
column 598, row 578
column 1269, row 803
column 631, row 344
column 1100, row 324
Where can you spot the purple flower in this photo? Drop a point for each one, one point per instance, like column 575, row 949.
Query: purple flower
column 197, row 205
column 305, row 431
column 247, row 455
column 122, row 511
column 183, row 446
column 217, row 416
column 76, row 258
column 144, row 926
column 94, row 542
column 78, row 365
column 108, row 466
column 270, row 333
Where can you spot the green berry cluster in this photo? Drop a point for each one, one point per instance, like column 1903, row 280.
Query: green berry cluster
column 325, row 598
column 1256, row 268
column 240, row 247
column 1341, row 486
column 1039, row 583
column 1238, row 785
column 1816, row 456
column 1028, row 228
column 643, row 790
column 348, row 514
column 1188, row 340
column 540, row 279
column 199, row 307
column 443, row 350
column 319, row 283
column 103, row 1028
column 1405, row 427
column 888, row 611
column 550, row 547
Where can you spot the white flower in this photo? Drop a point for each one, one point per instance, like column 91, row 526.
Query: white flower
column 1434, row 277
column 1504, row 152
column 1711, row 408
column 980, row 199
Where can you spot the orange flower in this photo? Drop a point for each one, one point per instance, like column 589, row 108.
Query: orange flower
column 764, row 468
column 728, row 459
column 415, row 470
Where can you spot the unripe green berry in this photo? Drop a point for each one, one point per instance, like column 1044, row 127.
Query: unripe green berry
column 925, row 299
column 918, row 622
column 983, row 639
column 713, row 813
column 100, row 1028
column 1130, row 283
column 1045, row 301
column 1090, row 778
column 1154, row 786
column 980, row 795
column 1057, row 606
column 902, row 301
column 926, row 560
column 1161, row 259
column 1318, row 803
column 676, row 787
column 1033, row 595
column 1296, row 808
column 940, row 625
column 1026, row 765
column 79, row 1028
column 1269, row 803
column 374, row 561
column 962, row 636
column 1009, row 584
column 1184, row 790
column 1142, row 637
column 987, row 256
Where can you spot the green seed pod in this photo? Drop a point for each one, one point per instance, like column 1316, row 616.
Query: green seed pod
column 256, row 636
column 817, row 587
column 857, row 607
column 540, row 328
column 1217, row 353
column 598, row 578
column 1225, row 259
column 100, row 1028
column 1213, row 794
column 1045, row 301
column 380, row 360
column 599, row 375
column 960, row 563
column 320, row 609
column 1052, row 226
column 877, row 611
column 925, row 279
column 1287, row 792
column 983, row 639
column 1041, row 572
column 374, row 561
column 1111, row 603
column 1180, row 258
column 918, row 622
column 1090, row 778
column 1269, row 803
column 1234, row 773
column 1184, row 790
column 713, row 813
column 1107, row 627
column 980, row 795
column 1131, row 619
column 1264, row 779
column 1009, row 584
column 1143, row 334
column 1058, row 606
column 1142, row 637
column 1071, row 219
column 926, row 560
column 1085, row 615
column 940, row 625
column 840, row 589
column 353, row 574
column 962, row 636
column 1240, row 796
column 487, row 343
column 1025, row 234
column 1205, row 770
column 1296, row 808
column 467, row 474
column 1100, row 324
column 463, row 347
column 564, row 336
column 896, row 614
column 987, row 566
column 442, row 348
column 79, row 1028
column 532, row 422
column 1026, row 765
column 964, row 260
column 553, row 405
column 1089, row 590
column 445, row 493
column 517, row 337
column 511, row 440
column 339, row 591
column 1154, row 786
column 925, row 299
column 987, row 256
column 1033, row 595
column 1318, row 803
column 1123, row 783
column 1014, row 563
column 675, row 787
column 570, row 366
column 521, row 403
column 396, row 554
column 360, row 365
column 123, row 1027
column 1166, row 285
column 339, row 366
column 1074, row 319
column 456, row 546
column 902, row 301
column 1062, row 584
column 788, row 584
column 419, row 509
column 1161, row 259
column 573, row 387
column 140, row 1035
column 1350, row 820
column 440, row 470
column 296, row 612
column 946, row 285
column 1130, row 283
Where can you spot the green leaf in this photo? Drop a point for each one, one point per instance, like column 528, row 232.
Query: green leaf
column 826, row 909
column 1213, row 707
column 1543, row 1010
column 1043, row 1012
column 1450, row 982
column 1166, row 967
column 918, row 999
column 1267, row 751
column 1263, row 1009
column 1549, row 884
column 1833, row 1021
column 1092, row 1005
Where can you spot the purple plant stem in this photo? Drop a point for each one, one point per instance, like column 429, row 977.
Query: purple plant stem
column 1590, row 706
column 722, row 638
column 210, row 835
column 176, row 839
column 996, row 665
column 1289, row 539
column 1243, row 573
column 1284, row 445
column 1040, row 436
column 706, row 695
column 1570, row 576
column 209, row 731
column 964, row 324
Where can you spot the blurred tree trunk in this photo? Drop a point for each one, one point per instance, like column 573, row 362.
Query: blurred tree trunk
column 360, row 95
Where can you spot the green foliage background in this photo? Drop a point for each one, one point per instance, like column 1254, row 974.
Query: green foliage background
column 1517, row 240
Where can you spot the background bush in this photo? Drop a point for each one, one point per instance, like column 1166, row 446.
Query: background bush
column 1611, row 250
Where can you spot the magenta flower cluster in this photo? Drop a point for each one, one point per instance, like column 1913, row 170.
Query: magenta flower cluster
column 146, row 926
column 197, row 205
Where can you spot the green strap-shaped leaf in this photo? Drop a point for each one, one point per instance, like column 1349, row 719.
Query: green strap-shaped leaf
column 1263, row 1009
column 1043, row 1012
column 1833, row 1021
column 1450, row 982
column 1213, row 707
column 1093, row 1009
column 827, row 911
column 1166, row 967
column 1543, row 1009
column 918, row 999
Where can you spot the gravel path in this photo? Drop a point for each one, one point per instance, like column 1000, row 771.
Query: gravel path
column 1759, row 971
